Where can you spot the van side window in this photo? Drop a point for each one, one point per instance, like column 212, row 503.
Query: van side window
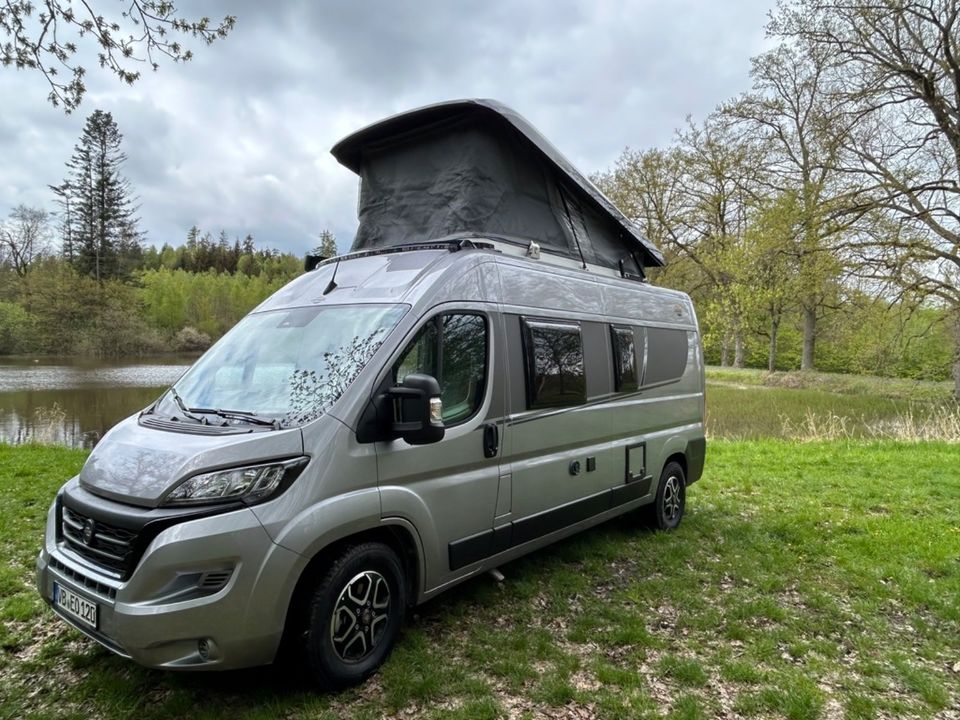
column 666, row 355
column 625, row 375
column 553, row 355
column 453, row 349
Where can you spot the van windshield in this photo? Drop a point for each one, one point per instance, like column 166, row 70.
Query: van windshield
column 283, row 366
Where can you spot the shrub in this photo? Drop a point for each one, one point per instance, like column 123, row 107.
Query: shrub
column 191, row 340
column 15, row 329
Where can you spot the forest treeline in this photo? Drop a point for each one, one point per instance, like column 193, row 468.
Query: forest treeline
column 173, row 299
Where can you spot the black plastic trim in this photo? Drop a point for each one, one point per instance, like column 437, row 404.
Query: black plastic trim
column 474, row 548
column 696, row 456
column 147, row 523
column 193, row 428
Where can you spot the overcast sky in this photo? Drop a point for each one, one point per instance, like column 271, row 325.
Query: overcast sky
column 239, row 138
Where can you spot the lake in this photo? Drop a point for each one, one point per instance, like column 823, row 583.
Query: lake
column 73, row 401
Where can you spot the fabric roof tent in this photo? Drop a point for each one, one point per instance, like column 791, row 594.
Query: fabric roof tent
column 476, row 166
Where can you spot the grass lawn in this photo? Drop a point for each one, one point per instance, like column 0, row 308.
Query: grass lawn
column 818, row 580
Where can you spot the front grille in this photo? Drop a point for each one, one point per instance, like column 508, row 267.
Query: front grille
column 103, row 544
column 89, row 583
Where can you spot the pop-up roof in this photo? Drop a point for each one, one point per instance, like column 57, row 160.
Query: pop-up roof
column 476, row 166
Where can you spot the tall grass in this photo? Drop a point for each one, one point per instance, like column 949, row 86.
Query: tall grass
column 940, row 424
column 747, row 412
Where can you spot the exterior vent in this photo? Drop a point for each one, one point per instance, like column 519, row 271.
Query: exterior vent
column 89, row 583
column 192, row 428
column 214, row 581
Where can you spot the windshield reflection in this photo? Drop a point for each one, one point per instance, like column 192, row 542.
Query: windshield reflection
column 285, row 365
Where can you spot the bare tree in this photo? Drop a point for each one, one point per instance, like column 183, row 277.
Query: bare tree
column 897, row 75
column 24, row 237
column 45, row 36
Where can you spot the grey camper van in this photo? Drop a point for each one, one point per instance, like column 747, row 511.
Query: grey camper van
column 486, row 372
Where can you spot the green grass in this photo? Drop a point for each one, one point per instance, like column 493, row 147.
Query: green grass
column 807, row 581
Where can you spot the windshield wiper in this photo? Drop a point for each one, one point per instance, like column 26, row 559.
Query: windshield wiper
column 249, row 417
column 187, row 412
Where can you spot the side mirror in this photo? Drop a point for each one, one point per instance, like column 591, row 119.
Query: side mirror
column 417, row 410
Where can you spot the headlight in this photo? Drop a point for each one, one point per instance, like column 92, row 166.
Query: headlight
column 250, row 484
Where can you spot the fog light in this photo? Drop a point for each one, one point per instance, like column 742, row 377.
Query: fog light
column 203, row 649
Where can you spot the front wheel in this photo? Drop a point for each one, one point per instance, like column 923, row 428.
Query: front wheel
column 667, row 509
column 354, row 614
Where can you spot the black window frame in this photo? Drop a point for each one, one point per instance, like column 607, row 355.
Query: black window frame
column 527, row 326
column 618, row 385
column 437, row 322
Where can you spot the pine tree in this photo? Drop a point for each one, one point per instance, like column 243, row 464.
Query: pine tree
column 327, row 247
column 100, row 232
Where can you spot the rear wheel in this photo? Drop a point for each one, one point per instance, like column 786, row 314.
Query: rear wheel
column 354, row 614
column 667, row 509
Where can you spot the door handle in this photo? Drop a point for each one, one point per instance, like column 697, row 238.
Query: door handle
column 491, row 440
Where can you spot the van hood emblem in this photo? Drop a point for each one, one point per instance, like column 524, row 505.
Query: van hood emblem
column 88, row 528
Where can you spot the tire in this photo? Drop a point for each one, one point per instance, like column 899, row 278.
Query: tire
column 666, row 512
column 353, row 616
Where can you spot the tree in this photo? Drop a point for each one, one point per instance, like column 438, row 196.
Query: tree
column 789, row 108
column 65, row 219
column 328, row 245
column 99, row 222
column 46, row 39
column 693, row 200
column 897, row 76
column 24, row 237
column 770, row 277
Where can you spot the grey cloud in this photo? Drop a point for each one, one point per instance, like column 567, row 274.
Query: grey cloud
column 239, row 138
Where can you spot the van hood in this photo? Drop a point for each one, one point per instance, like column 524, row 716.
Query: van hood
column 137, row 465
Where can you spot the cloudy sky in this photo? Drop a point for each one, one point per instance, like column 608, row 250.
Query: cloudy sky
column 239, row 138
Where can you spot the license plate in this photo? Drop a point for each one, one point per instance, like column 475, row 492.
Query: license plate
column 75, row 605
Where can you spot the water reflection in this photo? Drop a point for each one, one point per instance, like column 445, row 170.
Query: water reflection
column 73, row 402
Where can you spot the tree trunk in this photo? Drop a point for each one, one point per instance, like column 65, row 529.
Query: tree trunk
column 772, row 353
column 738, row 349
column 956, row 357
column 725, row 351
column 809, row 338
column 956, row 377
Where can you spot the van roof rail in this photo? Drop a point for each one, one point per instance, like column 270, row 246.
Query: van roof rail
column 451, row 245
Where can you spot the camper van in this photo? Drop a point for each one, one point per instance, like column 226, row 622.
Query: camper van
column 487, row 371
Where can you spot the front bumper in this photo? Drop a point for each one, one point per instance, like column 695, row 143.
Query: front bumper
column 168, row 610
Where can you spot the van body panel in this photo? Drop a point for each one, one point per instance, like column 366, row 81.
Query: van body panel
column 549, row 289
column 453, row 482
column 330, row 520
column 139, row 465
column 309, row 508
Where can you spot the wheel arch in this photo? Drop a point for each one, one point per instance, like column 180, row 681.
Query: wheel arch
column 398, row 535
column 679, row 458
